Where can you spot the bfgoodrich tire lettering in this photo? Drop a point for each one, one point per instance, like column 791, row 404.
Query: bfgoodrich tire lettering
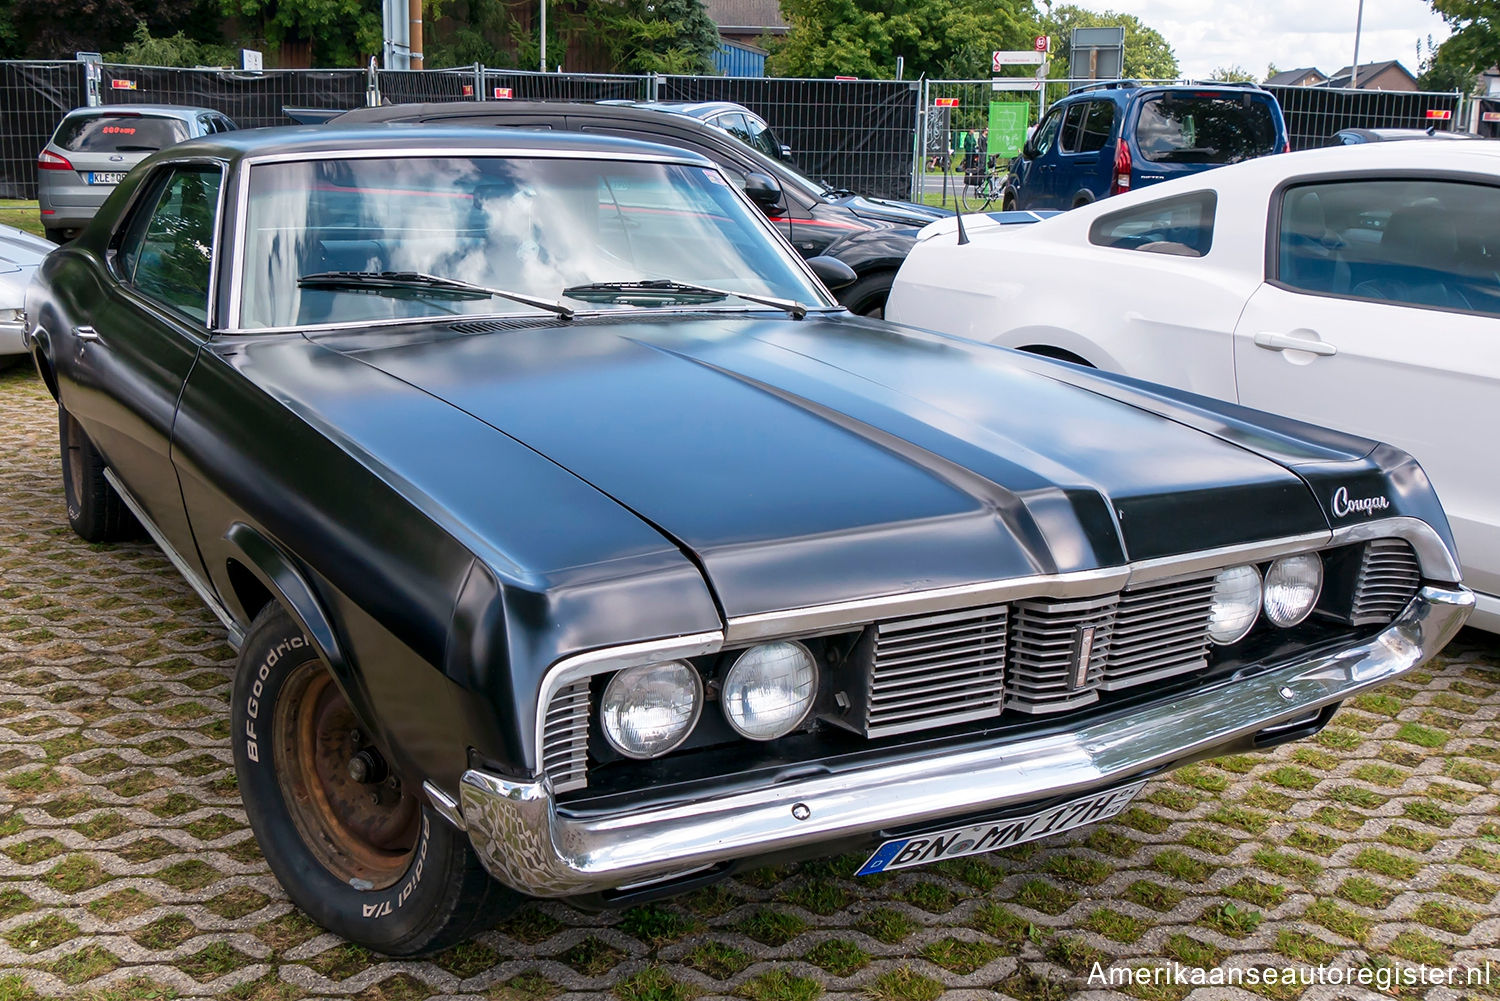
column 406, row 884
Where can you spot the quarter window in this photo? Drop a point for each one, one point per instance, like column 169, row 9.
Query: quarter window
column 1046, row 133
column 1414, row 242
column 1097, row 125
column 1181, row 226
column 167, row 251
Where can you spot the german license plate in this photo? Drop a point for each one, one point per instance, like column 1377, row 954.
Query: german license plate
column 902, row 853
column 106, row 176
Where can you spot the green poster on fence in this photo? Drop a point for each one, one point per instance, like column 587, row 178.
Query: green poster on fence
column 1008, row 127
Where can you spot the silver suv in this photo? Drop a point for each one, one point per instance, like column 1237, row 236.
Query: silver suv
column 93, row 148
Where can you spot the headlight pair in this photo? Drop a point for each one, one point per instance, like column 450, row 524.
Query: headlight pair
column 1287, row 595
column 767, row 693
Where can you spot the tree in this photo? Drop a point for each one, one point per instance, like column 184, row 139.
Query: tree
column 145, row 49
column 1441, row 68
column 1147, row 54
column 1271, row 70
column 1232, row 74
column 656, row 36
column 943, row 39
column 41, row 31
column 341, row 32
column 1474, row 45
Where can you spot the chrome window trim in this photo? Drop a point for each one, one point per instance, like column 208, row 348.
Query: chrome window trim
column 1437, row 564
column 249, row 163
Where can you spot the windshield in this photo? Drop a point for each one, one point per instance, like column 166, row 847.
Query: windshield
column 118, row 133
column 533, row 226
column 1205, row 128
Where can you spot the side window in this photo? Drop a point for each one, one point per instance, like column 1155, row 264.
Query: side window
column 1046, row 133
column 1097, row 126
column 166, row 251
column 735, row 125
column 1413, row 242
column 1072, row 127
column 762, row 138
column 1181, row 226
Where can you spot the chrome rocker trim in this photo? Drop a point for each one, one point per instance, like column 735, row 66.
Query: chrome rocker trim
column 526, row 841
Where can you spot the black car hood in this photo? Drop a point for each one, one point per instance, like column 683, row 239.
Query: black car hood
column 884, row 210
column 834, row 459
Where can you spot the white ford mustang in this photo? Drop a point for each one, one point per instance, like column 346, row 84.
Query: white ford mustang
column 1354, row 287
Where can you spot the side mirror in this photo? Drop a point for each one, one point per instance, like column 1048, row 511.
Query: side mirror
column 1027, row 150
column 763, row 191
column 832, row 272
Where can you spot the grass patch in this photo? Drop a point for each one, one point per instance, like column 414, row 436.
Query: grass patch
column 213, row 961
column 771, row 927
column 1339, row 920
column 655, row 925
column 1089, row 872
column 779, row 985
column 1193, row 952
column 1380, row 775
column 820, row 896
column 237, row 902
column 1040, row 895
column 42, row 934
column 1405, row 837
column 1366, row 893
column 1303, row 870
column 933, row 898
column 1447, row 917
column 958, row 956
column 904, row 984
column 1180, row 865
column 717, row 959
column 997, row 922
column 1209, row 841
column 1422, row 736
column 838, row 956
column 1253, row 891
column 1414, row 947
column 1385, row 864
column 975, row 870
column 592, row 957
column 656, row 984
column 1153, row 895
column 87, row 963
column 529, row 926
column 1478, row 891
column 1115, row 926
column 166, row 932
column 1251, row 821
column 1303, row 948
column 885, row 924
column 1232, row 919
column 1312, row 842
column 528, row 985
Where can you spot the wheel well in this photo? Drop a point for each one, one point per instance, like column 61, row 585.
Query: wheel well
column 49, row 378
column 248, row 590
column 1048, row 351
column 1081, row 199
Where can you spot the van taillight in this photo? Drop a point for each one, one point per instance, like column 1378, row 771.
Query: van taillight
column 1286, row 145
column 47, row 160
column 1121, row 180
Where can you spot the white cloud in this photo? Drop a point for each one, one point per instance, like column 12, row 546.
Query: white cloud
column 1290, row 33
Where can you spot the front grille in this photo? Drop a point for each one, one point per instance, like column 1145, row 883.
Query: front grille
column 1045, row 671
column 1161, row 630
column 565, row 738
column 934, row 670
column 1389, row 576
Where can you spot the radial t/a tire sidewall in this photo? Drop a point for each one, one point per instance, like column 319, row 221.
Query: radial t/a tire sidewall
column 397, row 919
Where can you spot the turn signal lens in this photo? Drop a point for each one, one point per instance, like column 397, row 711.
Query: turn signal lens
column 1293, row 584
column 1236, row 604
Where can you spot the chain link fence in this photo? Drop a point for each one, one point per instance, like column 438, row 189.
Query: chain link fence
column 888, row 138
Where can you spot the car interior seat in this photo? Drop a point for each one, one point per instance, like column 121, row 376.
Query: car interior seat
column 1419, row 261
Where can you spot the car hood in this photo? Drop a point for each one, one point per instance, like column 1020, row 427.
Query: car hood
column 836, row 459
column 884, row 210
column 20, row 250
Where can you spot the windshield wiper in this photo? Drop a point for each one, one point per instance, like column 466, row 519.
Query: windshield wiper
column 609, row 291
column 409, row 281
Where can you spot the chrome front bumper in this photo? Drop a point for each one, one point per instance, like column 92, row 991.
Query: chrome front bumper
column 527, row 842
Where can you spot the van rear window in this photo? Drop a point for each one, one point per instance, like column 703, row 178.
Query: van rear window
column 1205, row 128
column 119, row 133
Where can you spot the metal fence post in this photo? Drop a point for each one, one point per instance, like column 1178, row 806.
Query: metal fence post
column 919, row 150
column 372, row 87
column 479, row 81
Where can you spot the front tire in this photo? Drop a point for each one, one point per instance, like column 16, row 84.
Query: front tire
column 364, row 856
column 867, row 296
column 95, row 511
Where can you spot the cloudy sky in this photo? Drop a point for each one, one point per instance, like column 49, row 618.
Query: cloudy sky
column 1209, row 33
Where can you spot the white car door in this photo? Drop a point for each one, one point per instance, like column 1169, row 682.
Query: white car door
column 1381, row 316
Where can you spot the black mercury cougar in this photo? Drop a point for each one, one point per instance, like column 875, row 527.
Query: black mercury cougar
column 576, row 542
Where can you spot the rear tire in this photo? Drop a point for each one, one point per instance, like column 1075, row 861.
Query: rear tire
column 867, row 296
column 95, row 511
column 57, row 236
column 368, row 860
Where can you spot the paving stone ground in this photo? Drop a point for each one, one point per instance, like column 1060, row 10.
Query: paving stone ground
column 127, row 869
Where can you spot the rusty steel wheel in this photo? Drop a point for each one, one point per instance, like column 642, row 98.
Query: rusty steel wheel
column 349, row 808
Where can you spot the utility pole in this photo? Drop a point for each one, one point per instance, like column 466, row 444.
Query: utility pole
column 1358, row 22
column 414, row 9
column 543, row 59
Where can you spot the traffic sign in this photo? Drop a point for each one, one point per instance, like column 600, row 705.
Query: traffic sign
column 1041, row 43
column 1016, row 57
column 1017, row 83
column 1489, row 116
column 1440, row 113
column 504, row 93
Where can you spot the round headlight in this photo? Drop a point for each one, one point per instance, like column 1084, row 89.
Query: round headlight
column 770, row 690
column 1293, row 584
column 1236, row 604
column 649, row 710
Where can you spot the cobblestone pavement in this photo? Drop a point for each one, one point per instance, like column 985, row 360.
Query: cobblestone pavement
column 127, row 869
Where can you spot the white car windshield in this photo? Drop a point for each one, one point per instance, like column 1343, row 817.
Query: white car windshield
column 366, row 239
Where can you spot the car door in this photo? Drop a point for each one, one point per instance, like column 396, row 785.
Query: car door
column 1068, row 163
column 1038, row 163
column 1381, row 316
column 142, row 335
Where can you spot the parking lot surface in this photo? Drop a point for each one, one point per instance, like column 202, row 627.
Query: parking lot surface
column 127, row 869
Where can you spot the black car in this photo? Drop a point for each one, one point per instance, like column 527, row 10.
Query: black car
column 571, row 533
column 871, row 235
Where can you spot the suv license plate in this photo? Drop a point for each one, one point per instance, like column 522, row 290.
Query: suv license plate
column 904, row 852
column 106, row 177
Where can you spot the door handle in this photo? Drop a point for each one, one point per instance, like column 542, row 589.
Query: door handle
column 1285, row 342
column 86, row 333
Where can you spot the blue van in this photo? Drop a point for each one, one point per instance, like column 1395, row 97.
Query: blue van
column 1106, row 138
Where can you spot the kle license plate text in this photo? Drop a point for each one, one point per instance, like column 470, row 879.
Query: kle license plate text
column 106, row 176
column 903, row 852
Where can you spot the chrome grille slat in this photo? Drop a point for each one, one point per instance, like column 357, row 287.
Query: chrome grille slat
column 936, row 670
column 1046, row 644
column 565, row 738
column 1389, row 576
